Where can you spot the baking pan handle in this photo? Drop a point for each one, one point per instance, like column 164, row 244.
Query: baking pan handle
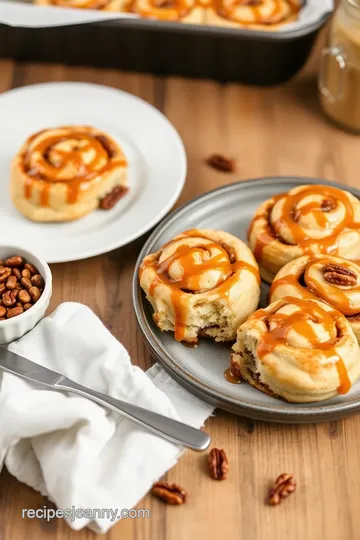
column 340, row 58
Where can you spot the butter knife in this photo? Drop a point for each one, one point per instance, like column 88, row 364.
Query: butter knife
column 165, row 427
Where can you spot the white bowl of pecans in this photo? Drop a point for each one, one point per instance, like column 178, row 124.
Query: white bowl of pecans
column 25, row 291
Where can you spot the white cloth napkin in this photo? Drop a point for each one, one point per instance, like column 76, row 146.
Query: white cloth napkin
column 72, row 450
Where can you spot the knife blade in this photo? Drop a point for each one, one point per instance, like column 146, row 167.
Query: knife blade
column 172, row 430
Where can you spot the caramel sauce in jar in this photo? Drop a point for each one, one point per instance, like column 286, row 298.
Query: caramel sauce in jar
column 339, row 80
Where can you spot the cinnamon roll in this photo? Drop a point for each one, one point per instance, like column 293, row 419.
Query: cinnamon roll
column 333, row 280
column 203, row 282
column 298, row 349
column 64, row 173
column 254, row 14
column 104, row 5
column 186, row 11
column 309, row 220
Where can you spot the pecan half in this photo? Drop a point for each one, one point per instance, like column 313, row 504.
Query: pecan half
column 339, row 275
column 218, row 464
column 327, row 205
column 113, row 197
column 169, row 493
column 283, row 487
column 221, row 163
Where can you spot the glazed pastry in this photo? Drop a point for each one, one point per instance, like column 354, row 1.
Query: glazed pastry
column 64, row 173
column 203, row 282
column 252, row 14
column 309, row 220
column 298, row 349
column 106, row 5
column 333, row 280
column 186, row 11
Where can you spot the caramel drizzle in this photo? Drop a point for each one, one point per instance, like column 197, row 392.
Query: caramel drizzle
column 89, row 4
column 176, row 10
column 299, row 321
column 48, row 173
column 193, row 272
column 274, row 17
column 328, row 245
column 316, row 290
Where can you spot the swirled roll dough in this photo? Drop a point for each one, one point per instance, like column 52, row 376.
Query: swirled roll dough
column 104, row 5
column 202, row 282
column 61, row 174
column 298, row 349
column 252, row 14
column 333, row 280
column 309, row 220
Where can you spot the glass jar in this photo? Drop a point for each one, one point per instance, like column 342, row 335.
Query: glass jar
column 339, row 80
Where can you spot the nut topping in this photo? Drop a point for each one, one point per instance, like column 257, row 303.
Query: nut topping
column 339, row 275
column 218, row 464
column 169, row 493
column 327, row 205
column 221, row 163
column 283, row 487
column 113, row 197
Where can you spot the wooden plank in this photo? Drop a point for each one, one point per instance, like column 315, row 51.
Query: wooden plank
column 269, row 131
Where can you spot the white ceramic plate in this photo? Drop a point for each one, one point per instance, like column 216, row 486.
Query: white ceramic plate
column 156, row 155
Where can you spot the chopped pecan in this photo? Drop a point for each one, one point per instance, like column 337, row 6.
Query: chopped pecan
column 283, row 487
column 339, row 275
column 113, row 197
column 169, row 493
column 295, row 214
column 221, row 163
column 327, row 205
column 106, row 143
column 218, row 464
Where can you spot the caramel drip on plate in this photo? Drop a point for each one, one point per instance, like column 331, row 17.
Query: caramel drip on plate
column 192, row 273
column 43, row 169
column 231, row 377
column 321, row 290
column 292, row 212
column 299, row 321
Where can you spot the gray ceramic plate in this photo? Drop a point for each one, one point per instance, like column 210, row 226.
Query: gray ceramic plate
column 201, row 370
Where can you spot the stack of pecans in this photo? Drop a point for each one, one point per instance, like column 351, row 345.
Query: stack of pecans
column 21, row 286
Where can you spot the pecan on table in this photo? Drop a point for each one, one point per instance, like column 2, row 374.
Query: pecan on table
column 218, row 464
column 169, row 493
column 339, row 275
column 108, row 202
column 283, row 487
column 221, row 163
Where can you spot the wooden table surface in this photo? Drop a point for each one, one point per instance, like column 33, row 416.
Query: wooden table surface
column 276, row 131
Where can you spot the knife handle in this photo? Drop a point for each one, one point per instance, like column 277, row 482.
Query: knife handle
column 165, row 427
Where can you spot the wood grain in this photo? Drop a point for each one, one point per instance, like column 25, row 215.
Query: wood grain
column 268, row 131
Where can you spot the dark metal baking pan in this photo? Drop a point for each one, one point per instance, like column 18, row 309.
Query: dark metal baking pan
column 162, row 48
column 201, row 370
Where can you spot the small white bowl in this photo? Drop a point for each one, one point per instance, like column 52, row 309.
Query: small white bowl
column 15, row 328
